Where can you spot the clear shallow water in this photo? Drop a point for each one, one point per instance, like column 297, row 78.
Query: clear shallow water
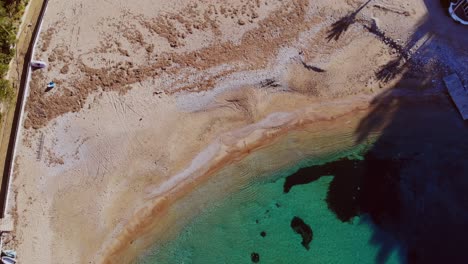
column 230, row 230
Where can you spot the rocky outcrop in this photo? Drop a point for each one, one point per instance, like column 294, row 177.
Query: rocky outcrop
column 303, row 229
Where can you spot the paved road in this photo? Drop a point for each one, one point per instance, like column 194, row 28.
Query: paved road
column 19, row 110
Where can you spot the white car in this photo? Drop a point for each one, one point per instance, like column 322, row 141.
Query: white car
column 38, row 64
column 8, row 260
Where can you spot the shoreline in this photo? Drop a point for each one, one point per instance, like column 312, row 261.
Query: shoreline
column 160, row 108
column 228, row 149
column 167, row 202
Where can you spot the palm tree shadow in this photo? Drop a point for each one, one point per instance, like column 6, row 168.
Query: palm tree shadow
column 411, row 186
column 412, row 183
column 389, row 71
column 402, row 63
column 342, row 25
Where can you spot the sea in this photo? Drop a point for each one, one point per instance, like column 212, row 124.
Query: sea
column 255, row 223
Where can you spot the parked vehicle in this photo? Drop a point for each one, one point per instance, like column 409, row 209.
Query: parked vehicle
column 38, row 64
column 9, row 253
column 8, row 260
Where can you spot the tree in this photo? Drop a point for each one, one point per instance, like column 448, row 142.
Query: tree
column 6, row 91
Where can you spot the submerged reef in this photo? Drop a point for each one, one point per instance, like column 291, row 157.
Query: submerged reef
column 303, row 229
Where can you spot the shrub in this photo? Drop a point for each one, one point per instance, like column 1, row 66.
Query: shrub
column 3, row 70
column 6, row 91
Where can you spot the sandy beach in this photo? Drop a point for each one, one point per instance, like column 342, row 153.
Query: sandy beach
column 154, row 99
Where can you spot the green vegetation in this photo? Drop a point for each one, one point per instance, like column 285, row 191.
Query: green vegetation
column 10, row 16
column 6, row 91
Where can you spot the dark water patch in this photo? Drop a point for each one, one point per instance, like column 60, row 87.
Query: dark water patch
column 303, row 229
column 234, row 223
column 358, row 186
column 343, row 193
column 313, row 173
column 255, row 257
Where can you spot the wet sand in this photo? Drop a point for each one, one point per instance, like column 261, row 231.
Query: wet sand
column 261, row 146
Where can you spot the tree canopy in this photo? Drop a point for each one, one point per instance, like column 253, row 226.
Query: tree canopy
column 10, row 15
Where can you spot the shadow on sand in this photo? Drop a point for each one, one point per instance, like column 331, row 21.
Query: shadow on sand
column 420, row 194
column 413, row 182
column 342, row 25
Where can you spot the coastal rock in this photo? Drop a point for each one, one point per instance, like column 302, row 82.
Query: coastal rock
column 303, row 229
column 255, row 257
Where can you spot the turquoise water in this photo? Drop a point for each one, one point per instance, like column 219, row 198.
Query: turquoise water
column 230, row 230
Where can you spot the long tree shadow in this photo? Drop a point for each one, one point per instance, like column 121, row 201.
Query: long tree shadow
column 421, row 197
column 396, row 66
column 404, row 53
column 421, row 200
column 393, row 68
column 413, row 182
